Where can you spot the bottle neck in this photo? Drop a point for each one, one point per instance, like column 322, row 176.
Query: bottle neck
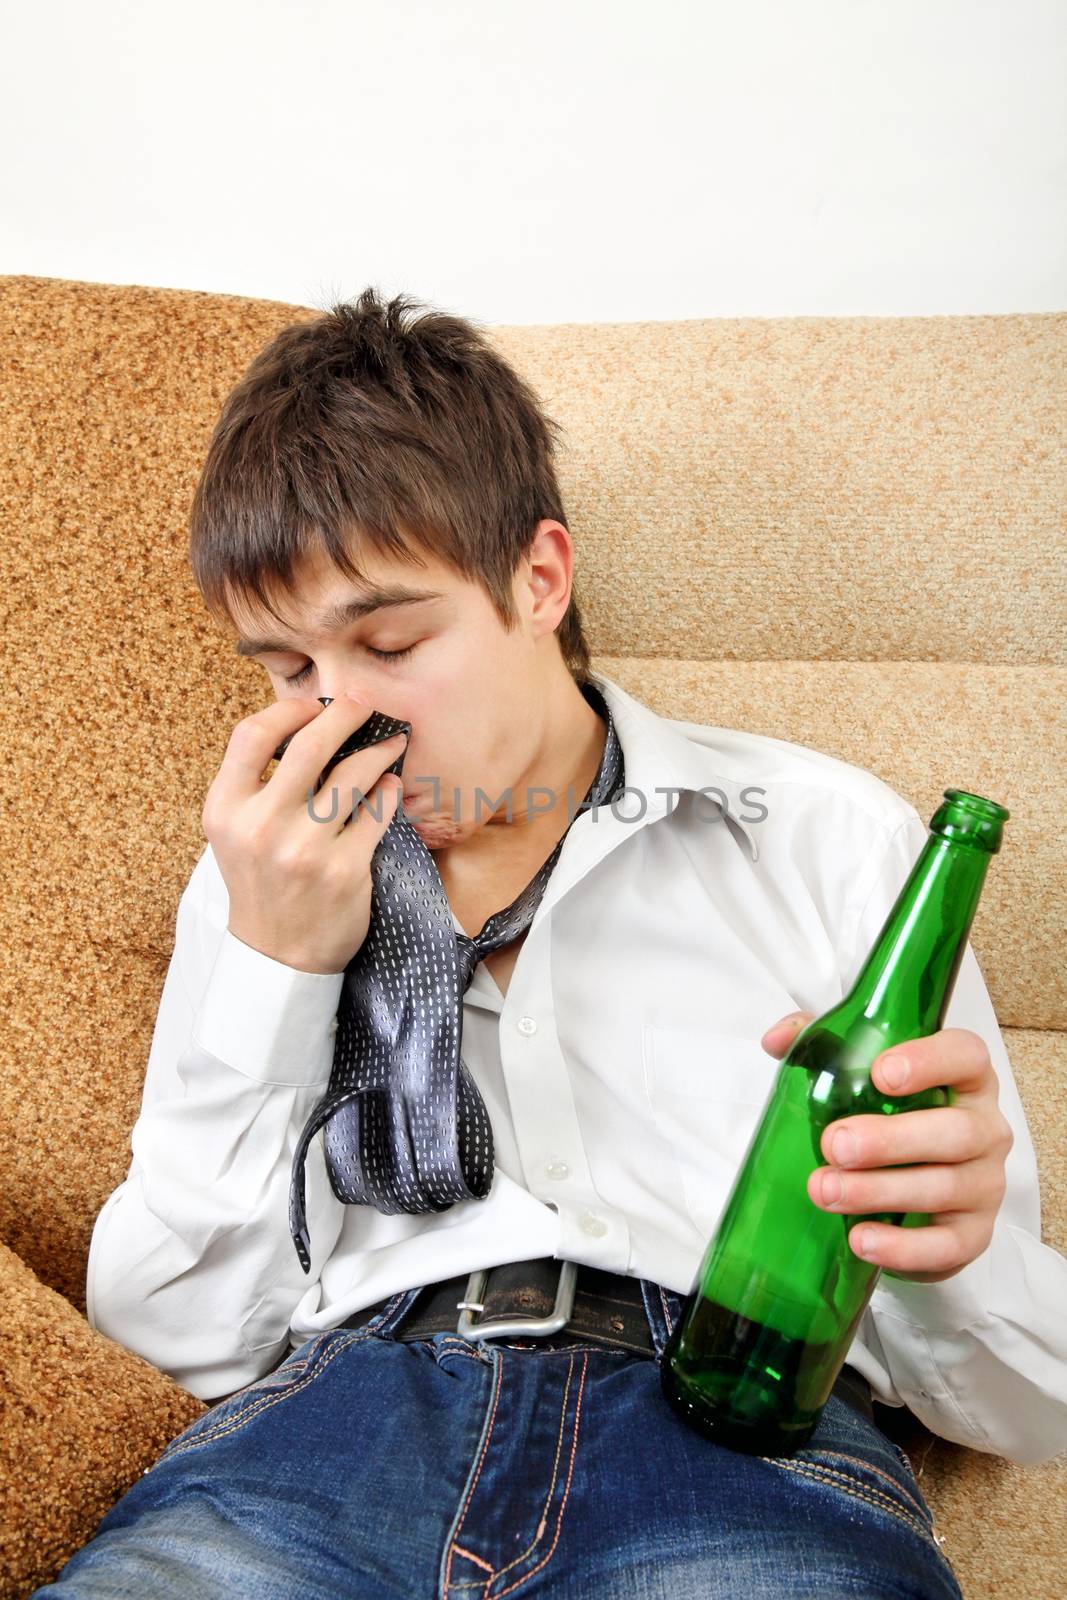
column 909, row 975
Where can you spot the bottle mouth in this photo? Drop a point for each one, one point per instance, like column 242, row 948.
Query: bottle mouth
column 978, row 804
column 970, row 819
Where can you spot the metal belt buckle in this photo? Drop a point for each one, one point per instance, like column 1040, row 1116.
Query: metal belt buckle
column 516, row 1327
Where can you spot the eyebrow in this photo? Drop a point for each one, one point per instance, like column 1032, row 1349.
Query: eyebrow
column 348, row 611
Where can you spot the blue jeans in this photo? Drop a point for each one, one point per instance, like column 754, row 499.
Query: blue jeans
column 440, row 1469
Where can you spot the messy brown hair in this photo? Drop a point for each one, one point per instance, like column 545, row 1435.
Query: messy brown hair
column 369, row 423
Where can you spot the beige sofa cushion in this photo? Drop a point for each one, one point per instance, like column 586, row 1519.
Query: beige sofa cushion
column 844, row 532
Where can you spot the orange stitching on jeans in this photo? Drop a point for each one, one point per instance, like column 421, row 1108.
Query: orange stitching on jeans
column 543, row 1522
column 557, row 1350
column 873, row 1497
column 253, row 1409
column 455, row 1343
column 572, row 1349
column 284, row 1372
column 546, row 1558
column 387, row 1311
column 470, row 1556
column 477, row 1475
column 843, row 1455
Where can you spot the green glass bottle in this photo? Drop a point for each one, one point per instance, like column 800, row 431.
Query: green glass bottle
column 776, row 1301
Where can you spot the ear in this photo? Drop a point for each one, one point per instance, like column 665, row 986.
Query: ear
column 550, row 564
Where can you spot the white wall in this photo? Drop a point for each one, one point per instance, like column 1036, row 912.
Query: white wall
column 546, row 160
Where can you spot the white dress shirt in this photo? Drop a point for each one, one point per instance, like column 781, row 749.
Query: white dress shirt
column 623, row 1075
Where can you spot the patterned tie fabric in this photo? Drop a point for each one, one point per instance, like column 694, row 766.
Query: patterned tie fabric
column 406, row 1128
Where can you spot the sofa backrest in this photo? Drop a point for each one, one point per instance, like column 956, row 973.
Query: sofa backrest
column 846, row 532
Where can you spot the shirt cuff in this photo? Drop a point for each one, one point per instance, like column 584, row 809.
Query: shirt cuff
column 268, row 1021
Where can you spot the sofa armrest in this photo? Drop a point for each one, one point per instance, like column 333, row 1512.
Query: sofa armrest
column 83, row 1419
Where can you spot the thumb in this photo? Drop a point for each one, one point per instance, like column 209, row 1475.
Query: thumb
column 780, row 1036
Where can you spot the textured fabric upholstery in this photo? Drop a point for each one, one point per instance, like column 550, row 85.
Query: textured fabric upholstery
column 846, row 532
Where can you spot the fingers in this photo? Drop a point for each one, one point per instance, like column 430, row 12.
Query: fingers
column 348, row 781
column 354, row 782
column 922, row 1254
column 938, row 1133
column 973, row 1186
column 251, row 748
column 777, row 1040
column 314, row 744
column 312, row 734
column 956, row 1056
column 371, row 817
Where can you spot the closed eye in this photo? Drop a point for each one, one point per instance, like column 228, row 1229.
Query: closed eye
column 298, row 678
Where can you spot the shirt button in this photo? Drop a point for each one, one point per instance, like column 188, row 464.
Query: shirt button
column 557, row 1169
column 526, row 1025
column 594, row 1225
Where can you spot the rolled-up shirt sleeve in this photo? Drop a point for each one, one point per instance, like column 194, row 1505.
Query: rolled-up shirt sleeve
column 980, row 1358
column 191, row 1264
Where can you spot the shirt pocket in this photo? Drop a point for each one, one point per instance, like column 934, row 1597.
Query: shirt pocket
column 707, row 1092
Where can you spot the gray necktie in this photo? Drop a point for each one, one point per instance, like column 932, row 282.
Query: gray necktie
column 406, row 1128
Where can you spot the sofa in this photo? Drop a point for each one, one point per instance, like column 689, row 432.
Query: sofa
column 843, row 531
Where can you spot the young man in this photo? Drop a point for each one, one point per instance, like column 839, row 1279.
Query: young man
column 379, row 521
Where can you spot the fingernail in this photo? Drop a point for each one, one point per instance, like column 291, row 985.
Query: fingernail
column 895, row 1071
column 845, row 1148
column 831, row 1187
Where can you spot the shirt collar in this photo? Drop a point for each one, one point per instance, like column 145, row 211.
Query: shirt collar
column 662, row 754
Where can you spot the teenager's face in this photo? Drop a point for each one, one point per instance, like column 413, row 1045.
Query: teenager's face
column 472, row 692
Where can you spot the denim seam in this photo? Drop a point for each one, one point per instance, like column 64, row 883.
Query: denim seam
column 903, row 1456
column 550, row 1350
column 469, row 1555
column 455, row 1344
column 282, row 1374
column 274, row 1397
column 546, row 1558
column 374, row 1325
column 543, row 1521
column 487, row 1433
column 453, row 1547
column 843, row 1455
column 848, row 1485
column 572, row 1349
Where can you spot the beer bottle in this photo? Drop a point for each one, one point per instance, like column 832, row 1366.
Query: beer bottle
column 779, row 1293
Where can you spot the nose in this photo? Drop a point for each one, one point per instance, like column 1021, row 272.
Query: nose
column 377, row 727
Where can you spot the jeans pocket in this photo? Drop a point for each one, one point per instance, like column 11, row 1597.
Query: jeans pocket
column 227, row 1416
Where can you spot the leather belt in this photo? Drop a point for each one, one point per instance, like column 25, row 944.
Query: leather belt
column 547, row 1300
column 549, row 1303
